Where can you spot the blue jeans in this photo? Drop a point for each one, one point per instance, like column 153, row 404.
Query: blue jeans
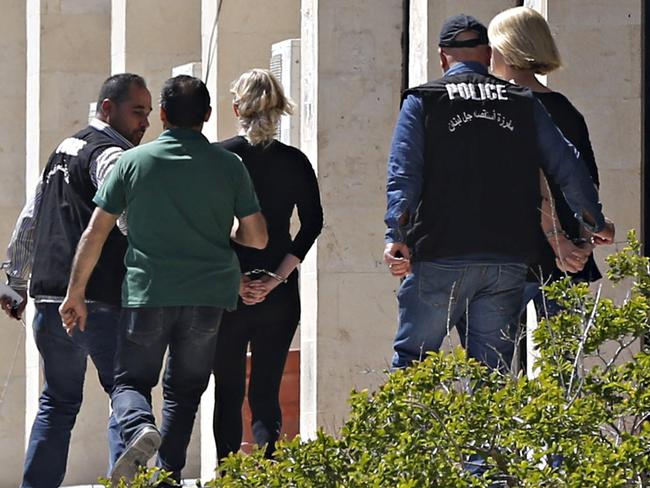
column 481, row 300
column 64, row 368
column 145, row 333
column 545, row 306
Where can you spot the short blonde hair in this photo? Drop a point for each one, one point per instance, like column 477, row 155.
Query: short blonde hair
column 261, row 102
column 523, row 38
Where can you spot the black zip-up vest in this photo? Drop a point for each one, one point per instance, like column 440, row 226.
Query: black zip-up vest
column 480, row 191
column 64, row 212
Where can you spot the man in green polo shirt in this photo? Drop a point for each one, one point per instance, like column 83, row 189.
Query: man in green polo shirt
column 182, row 195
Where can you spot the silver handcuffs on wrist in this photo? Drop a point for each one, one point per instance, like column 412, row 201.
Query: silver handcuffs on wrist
column 273, row 275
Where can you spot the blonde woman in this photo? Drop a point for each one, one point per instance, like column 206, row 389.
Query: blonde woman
column 523, row 47
column 269, row 306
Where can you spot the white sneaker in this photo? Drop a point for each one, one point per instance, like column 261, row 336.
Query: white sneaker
column 142, row 448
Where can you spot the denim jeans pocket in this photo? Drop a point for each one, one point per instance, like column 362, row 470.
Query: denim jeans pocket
column 438, row 283
column 205, row 322
column 144, row 325
column 512, row 276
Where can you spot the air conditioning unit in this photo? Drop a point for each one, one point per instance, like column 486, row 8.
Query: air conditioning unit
column 92, row 111
column 285, row 66
column 189, row 69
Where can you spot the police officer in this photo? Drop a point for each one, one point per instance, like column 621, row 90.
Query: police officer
column 44, row 243
column 463, row 198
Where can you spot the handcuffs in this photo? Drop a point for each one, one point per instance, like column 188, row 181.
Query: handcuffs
column 260, row 271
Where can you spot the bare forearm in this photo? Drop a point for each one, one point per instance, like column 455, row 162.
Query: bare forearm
column 287, row 266
column 237, row 234
column 247, row 238
column 84, row 262
column 569, row 257
column 251, row 232
column 239, row 237
column 549, row 220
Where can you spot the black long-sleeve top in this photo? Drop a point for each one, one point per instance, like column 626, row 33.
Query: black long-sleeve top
column 572, row 124
column 283, row 179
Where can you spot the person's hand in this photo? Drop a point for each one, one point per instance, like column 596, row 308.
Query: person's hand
column 248, row 295
column 606, row 235
column 73, row 313
column 253, row 292
column 569, row 257
column 398, row 258
column 7, row 305
column 258, row 290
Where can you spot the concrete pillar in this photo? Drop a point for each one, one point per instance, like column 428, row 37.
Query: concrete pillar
column 585, row 31
column 426, row 18
column 12, row 197
column 209, row 27
column 149, row 38
column 540, row 5
column 241, row 39
column 350, row 99
column 67, row 60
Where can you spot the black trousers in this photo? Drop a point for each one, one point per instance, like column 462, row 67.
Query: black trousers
column 269, row 328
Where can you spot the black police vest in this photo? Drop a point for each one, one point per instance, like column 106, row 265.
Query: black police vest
column 480, row 191
column 64, row 212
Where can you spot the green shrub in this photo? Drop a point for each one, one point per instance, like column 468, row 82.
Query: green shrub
column 146, row 478
column 574, row 425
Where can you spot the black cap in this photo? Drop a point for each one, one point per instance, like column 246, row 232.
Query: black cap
column 461, row 23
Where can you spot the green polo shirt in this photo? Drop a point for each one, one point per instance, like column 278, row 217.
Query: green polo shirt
column 181, row 194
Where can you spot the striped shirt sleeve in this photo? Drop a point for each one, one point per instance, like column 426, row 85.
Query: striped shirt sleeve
column 102, row 165
column 20, row 253
column 100, row 168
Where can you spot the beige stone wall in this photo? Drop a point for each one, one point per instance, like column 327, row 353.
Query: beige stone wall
column 72, row 67
column 12, row 196
column 425, row 23
column 67, row 60
column 351, row 78
column 244, row 35
column 208, row 61
column 149, row 37
column 208, row 449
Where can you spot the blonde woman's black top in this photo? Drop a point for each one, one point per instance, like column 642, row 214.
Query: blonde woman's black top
column 572, row 124
column 284, row 179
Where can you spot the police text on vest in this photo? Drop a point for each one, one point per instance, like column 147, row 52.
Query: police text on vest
column 477, row 91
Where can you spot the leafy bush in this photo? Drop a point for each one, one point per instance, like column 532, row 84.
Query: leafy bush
column 573, row 425
column 146, row 478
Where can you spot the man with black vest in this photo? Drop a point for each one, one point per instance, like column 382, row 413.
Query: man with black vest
column 463, row 201
column 44, row 243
